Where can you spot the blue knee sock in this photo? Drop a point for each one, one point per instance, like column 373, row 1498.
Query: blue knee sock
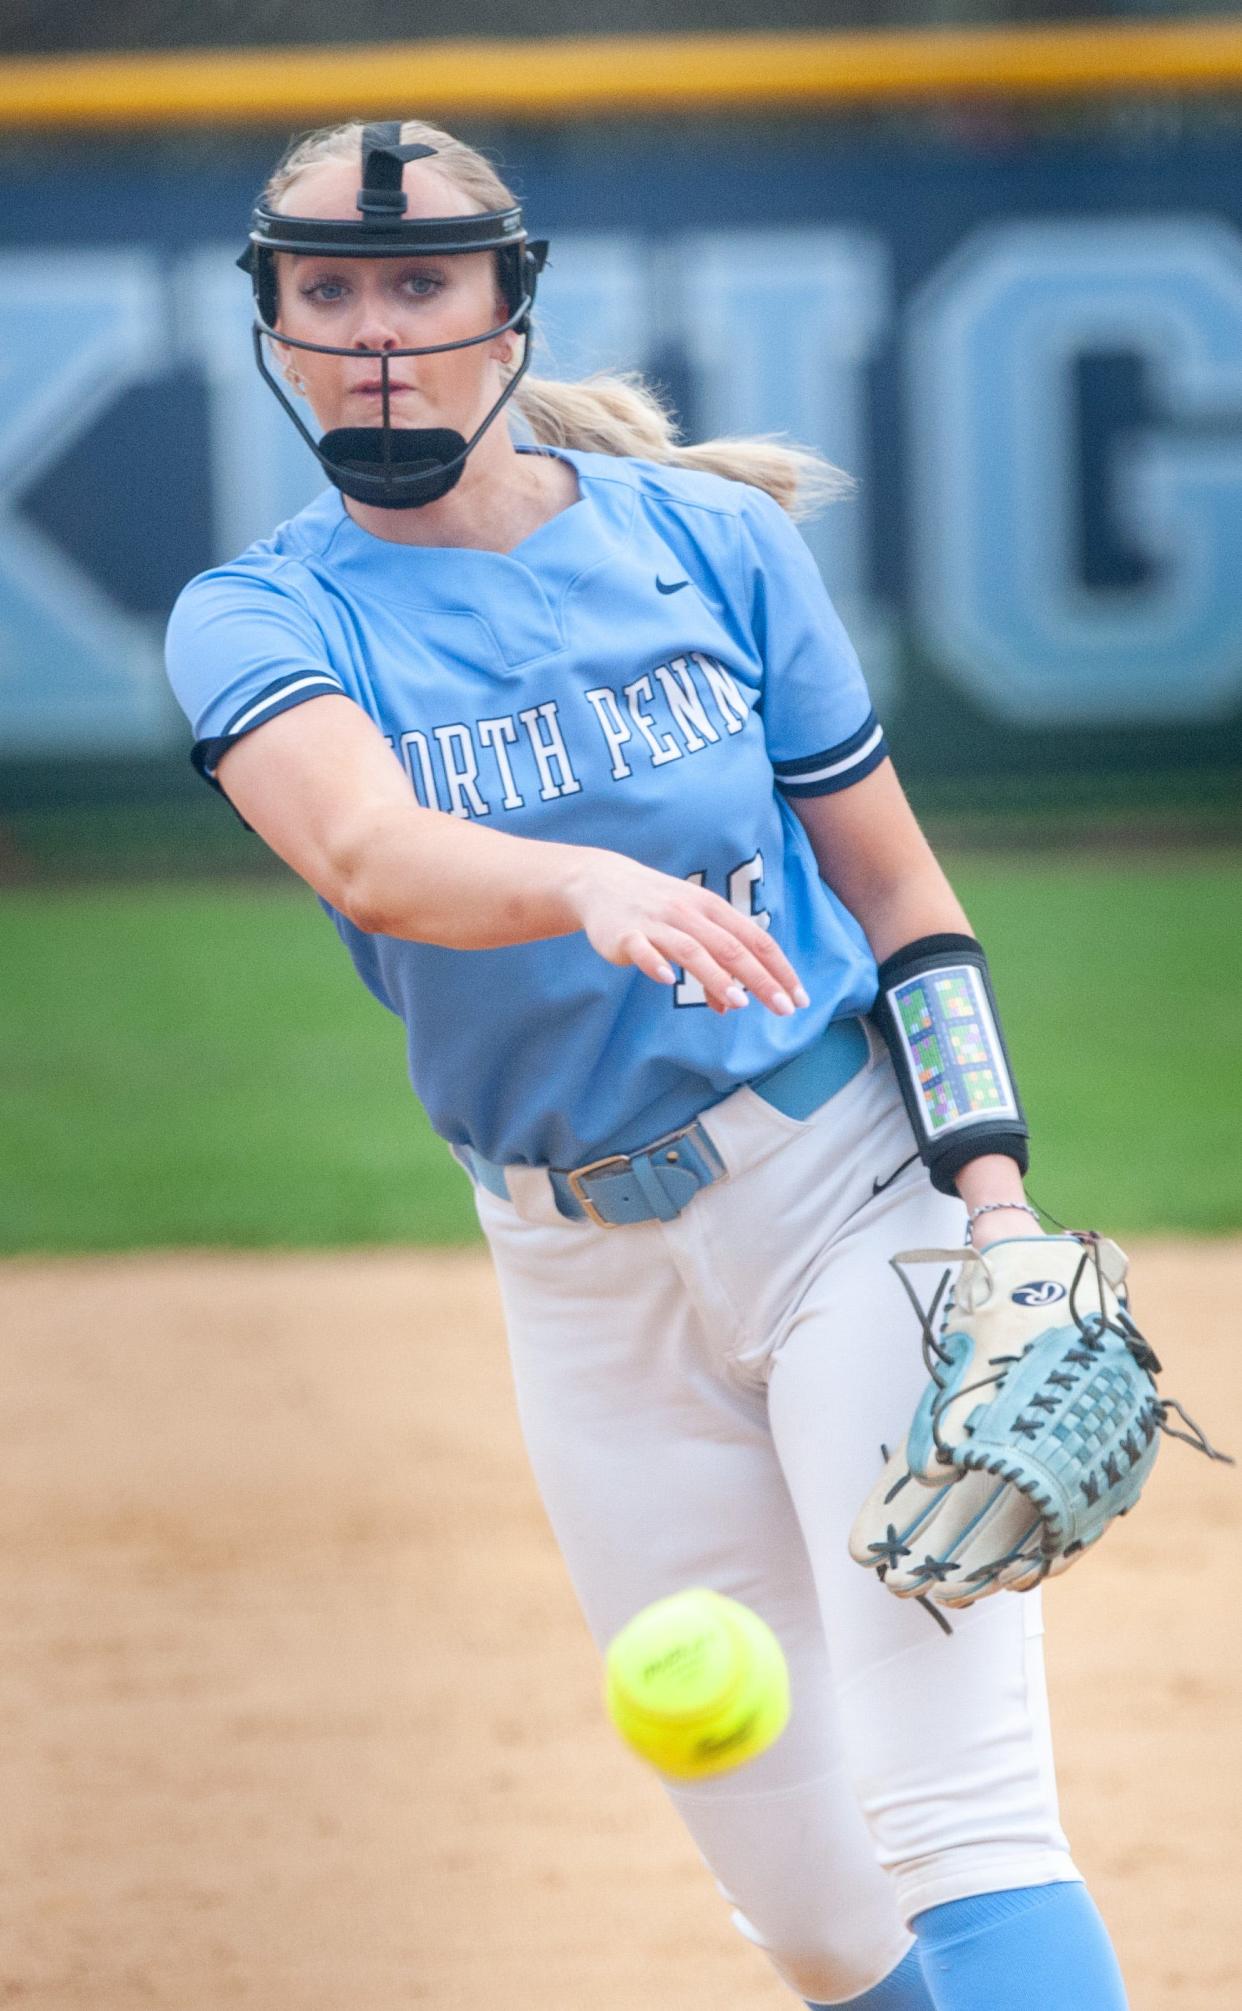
column 1037, row 1948
column 902, row 1990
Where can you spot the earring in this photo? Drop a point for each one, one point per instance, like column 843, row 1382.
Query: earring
column 296, row 383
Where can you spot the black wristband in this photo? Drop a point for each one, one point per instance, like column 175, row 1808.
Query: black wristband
column 937, row 1012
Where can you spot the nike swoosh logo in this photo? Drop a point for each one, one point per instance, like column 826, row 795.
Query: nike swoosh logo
column 674, row 589
column 878, row 1186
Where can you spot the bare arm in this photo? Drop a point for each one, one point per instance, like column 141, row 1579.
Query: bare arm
column 871, row 852
column 321, row 786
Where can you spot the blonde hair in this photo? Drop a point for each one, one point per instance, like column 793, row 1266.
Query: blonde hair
column 609, row 412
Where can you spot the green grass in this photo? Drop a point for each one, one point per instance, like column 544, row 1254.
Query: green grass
column 1121, row 989
column 186, row 1067
column 181, row 1065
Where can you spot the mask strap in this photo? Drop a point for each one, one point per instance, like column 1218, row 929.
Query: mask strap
column 383, row 158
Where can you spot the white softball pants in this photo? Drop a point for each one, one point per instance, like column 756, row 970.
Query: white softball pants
column 704, row 1403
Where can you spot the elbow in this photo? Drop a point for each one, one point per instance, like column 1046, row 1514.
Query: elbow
column 366, row 911
column 365, row 896
column 358, row 883
column 383, row 881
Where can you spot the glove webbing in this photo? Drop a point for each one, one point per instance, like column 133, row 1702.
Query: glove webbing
column 1090, row 1329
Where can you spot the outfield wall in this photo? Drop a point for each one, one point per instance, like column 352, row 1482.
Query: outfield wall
column 1028, row 351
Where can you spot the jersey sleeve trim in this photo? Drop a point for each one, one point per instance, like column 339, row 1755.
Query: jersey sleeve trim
column 281, row 696
column 835, row 767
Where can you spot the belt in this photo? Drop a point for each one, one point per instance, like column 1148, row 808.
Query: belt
column 654, row 1182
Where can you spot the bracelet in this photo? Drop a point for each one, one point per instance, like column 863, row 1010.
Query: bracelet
column 993, row 1207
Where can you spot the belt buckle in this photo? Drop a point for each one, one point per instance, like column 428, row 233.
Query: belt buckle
column 622, row 1160
column 579, row 1174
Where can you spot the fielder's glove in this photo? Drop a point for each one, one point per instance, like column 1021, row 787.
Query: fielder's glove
column 1041, row 1422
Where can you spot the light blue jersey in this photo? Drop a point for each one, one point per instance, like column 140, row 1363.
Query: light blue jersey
column 657, row 670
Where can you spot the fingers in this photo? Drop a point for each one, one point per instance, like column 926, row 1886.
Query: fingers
column 636, row 949
column 762, row 969
column 723, row 977
column 731, row 956
column 764, row 959
column 641, row 952
column 954, row 1544
column 728, row 953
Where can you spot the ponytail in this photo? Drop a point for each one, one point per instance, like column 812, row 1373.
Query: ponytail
column 611, row 413
column 618, row 413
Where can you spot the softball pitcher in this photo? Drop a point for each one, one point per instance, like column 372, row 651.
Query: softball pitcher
column 569, row 742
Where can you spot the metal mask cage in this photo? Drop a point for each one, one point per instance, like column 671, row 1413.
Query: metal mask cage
column 392, row 467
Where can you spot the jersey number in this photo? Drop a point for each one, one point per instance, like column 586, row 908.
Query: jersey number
column 742, row 892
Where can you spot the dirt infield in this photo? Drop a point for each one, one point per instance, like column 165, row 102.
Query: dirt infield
column 298, row 1713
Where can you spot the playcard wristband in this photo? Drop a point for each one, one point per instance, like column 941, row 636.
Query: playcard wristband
column 937, row 1012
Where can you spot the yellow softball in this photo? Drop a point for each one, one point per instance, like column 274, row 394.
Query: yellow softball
column 697, row 1684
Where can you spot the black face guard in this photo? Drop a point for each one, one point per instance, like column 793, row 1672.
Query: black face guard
column 392, row 467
